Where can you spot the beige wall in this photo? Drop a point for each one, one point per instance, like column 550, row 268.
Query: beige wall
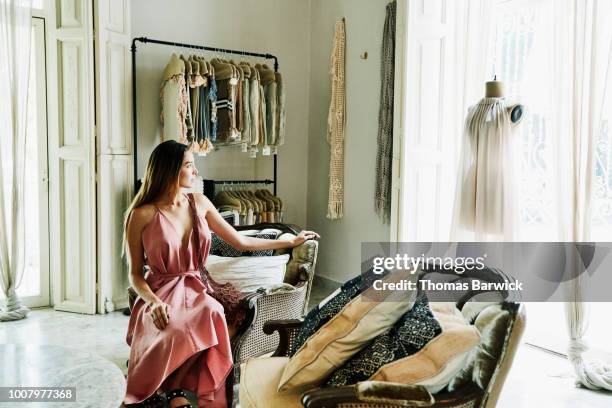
column 280, row 27
column 340, row 249
column 300, row 34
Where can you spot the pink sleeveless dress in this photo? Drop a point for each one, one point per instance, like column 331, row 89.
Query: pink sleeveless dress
column 196, row 323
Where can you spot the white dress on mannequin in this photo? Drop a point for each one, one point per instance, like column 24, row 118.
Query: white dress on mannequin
column 485, row 201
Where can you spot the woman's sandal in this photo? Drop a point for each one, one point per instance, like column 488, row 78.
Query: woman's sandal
column 176, row 394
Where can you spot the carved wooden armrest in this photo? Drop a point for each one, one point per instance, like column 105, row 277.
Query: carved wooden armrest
column 375, row 392
column 286, row 329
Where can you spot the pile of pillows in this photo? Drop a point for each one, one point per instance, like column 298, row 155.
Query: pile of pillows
column 350, row 337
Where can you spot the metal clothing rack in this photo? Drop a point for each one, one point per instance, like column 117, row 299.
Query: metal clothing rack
column 145, row 40
column 209, row 185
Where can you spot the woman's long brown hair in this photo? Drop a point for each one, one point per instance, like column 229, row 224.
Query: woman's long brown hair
column 161, row 176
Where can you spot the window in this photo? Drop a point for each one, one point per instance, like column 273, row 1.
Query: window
column 448, row 53
column 34, row 286
column 519, row 60
column 522, row 55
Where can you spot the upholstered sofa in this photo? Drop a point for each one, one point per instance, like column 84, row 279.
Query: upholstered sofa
column 500, row 321
column 251, row 340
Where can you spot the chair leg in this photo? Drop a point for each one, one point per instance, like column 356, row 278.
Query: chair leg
column 232, row 397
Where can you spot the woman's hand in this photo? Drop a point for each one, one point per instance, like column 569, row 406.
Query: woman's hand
column 302, row 237
column 159, row 314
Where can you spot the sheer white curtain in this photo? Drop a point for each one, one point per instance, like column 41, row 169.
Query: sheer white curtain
column 564, row 81
column 555, row 57
column 587, row 46
column 15, row 31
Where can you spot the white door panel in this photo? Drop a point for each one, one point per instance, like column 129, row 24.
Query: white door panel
column 71, row 157
column 114, row 140
column 424, row 128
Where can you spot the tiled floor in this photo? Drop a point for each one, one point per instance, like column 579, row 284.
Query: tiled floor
column 537, row 378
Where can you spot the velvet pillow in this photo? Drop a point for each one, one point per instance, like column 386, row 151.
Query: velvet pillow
column 492, row 322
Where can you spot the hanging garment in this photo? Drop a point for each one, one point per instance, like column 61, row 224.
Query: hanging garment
column 239, row 101
column 253, row 106
column 268, row 81
column 246, row 100
column 244, row 209
column 280, row 110
column 228, row 200
column 336, row 124
column 212, row 103
column 259, row 204
column 250, row 210
column 203, row 129
column 263, row 109
column 226, row 101
column 269, row 212
column 189, row 117
column 276, row 204
column 197, row 325
column 203, row 137
column 485, row 206
column 174, row 101
column 196, row 82
column 384, row 140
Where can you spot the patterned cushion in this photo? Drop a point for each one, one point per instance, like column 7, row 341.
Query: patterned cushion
column 263, row 252
column 221, row 248
column 360, row 321
column 427, row 346
column 411, row 332
column 434, row 365
column 322, row 313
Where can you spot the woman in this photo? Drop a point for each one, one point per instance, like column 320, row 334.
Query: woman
column 178, row 333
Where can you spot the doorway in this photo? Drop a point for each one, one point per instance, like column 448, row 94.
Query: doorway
column 34, row 289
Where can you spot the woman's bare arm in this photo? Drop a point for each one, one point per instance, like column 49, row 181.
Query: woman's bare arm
column 138, row 221
column 222, row 228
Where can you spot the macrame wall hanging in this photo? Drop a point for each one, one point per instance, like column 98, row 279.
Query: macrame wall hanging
column 336, row 122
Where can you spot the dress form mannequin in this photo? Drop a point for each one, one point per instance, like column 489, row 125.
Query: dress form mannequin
column 485, row 201
column 495, row 89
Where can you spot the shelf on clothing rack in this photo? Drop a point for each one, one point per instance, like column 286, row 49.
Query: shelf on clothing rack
column 146, row 40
